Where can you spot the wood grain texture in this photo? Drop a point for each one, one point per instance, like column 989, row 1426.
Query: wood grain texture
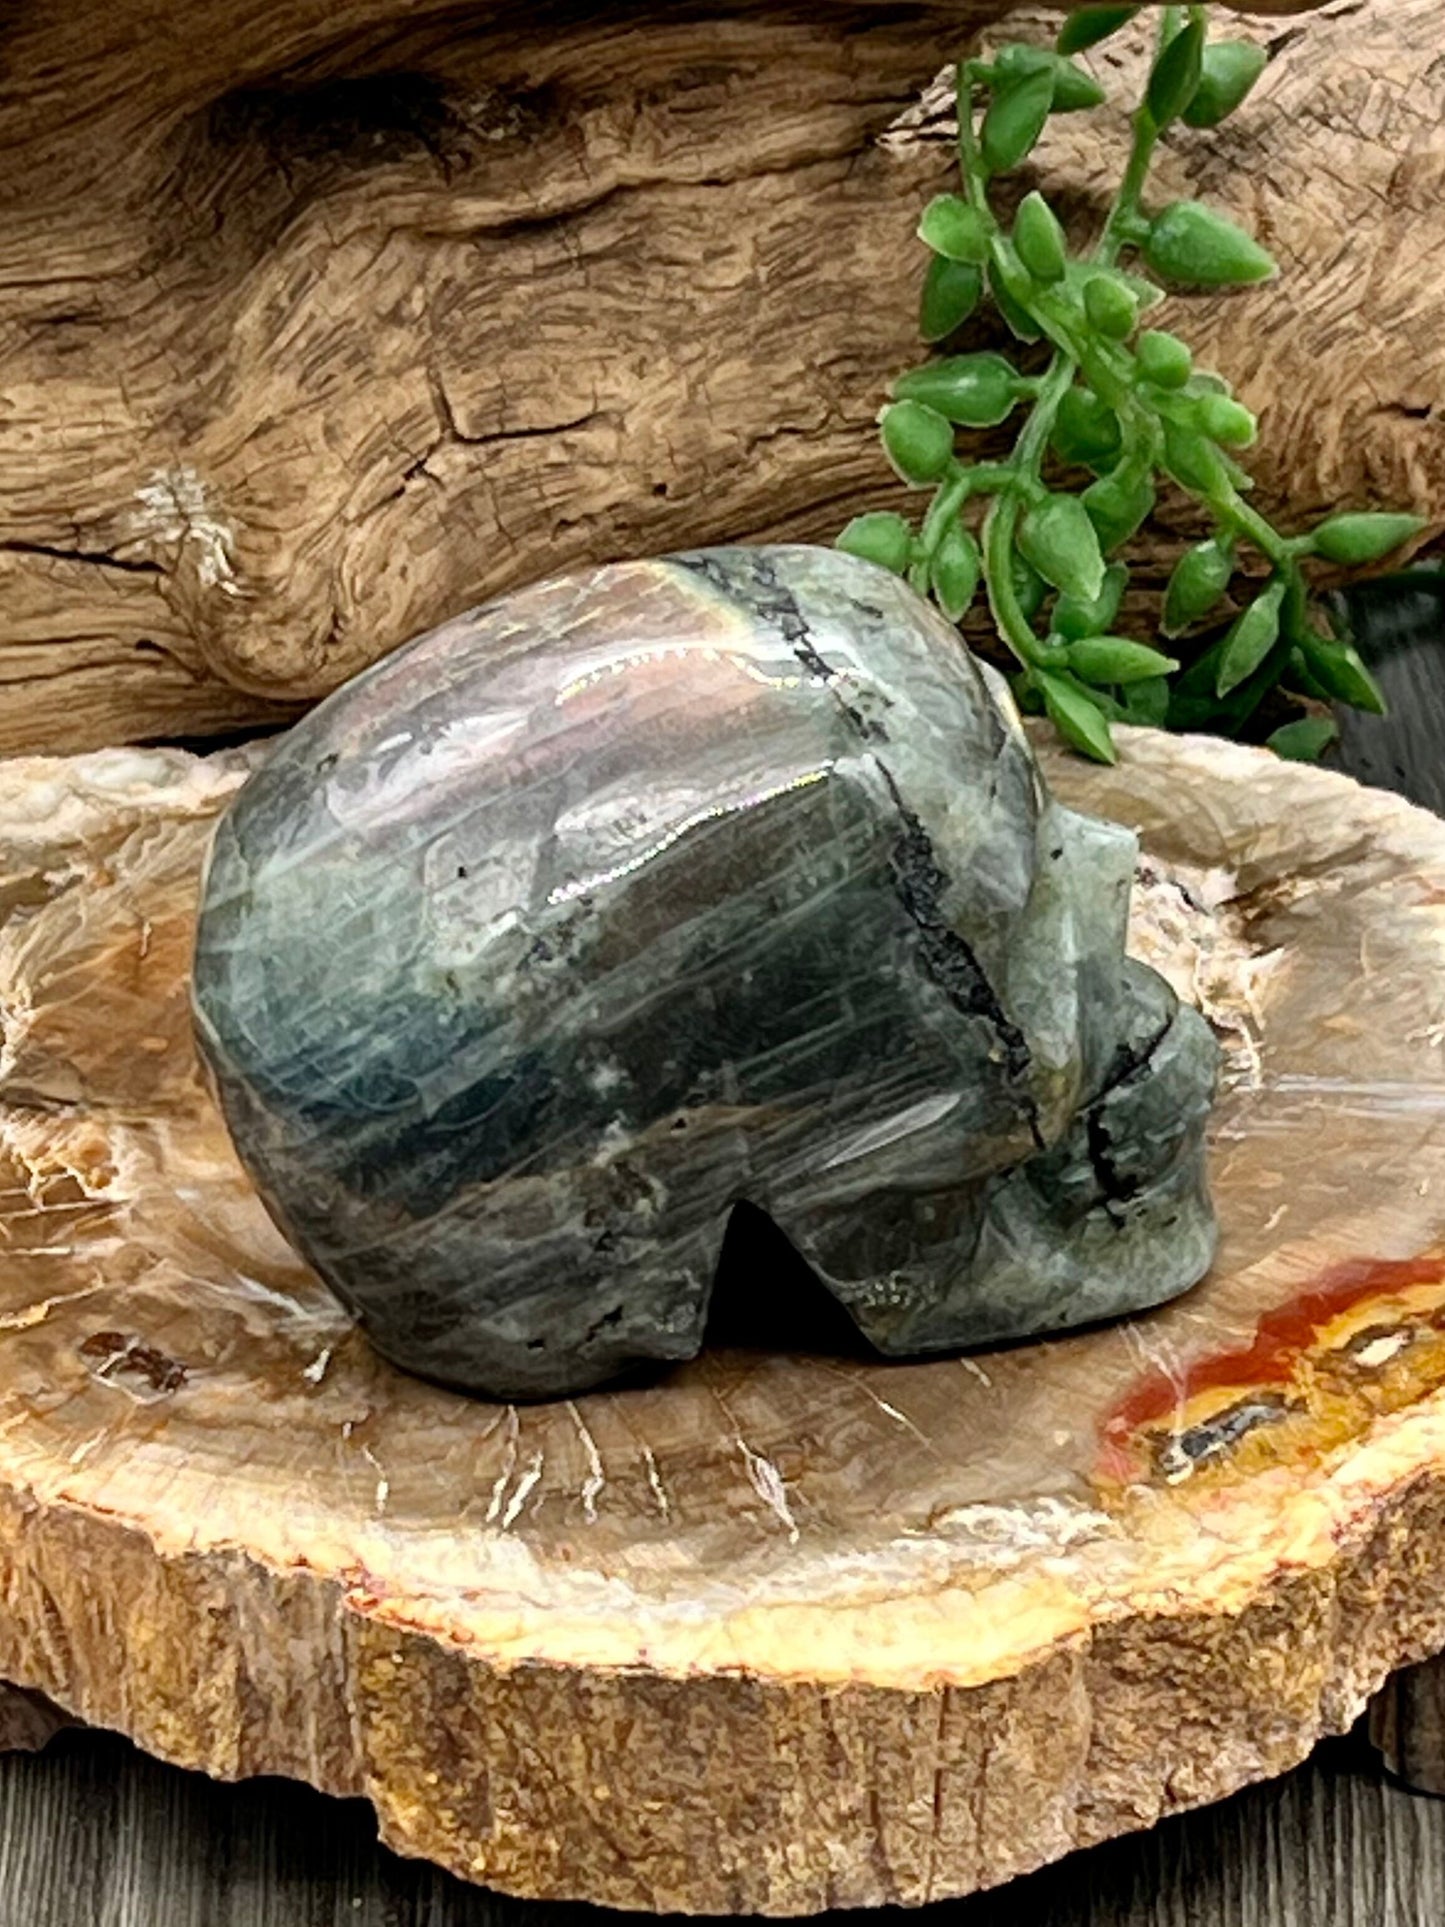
column 95, row 1835
column 333, row 322
column 779, row 1633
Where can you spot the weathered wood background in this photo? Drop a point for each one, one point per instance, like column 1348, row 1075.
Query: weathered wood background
column 321, row 322
column 98, row 1836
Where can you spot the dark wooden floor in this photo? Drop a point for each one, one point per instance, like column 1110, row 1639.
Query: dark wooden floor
column 92, row 1834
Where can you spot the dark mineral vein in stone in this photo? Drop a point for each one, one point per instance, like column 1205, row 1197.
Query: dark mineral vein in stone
column 536, row 949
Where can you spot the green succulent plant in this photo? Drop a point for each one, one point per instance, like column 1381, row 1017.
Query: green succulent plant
column 1124, row 403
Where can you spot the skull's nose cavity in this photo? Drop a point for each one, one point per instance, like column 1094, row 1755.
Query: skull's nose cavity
column 766, row 1298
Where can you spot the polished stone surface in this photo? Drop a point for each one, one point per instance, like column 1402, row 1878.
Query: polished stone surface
column 532, row 951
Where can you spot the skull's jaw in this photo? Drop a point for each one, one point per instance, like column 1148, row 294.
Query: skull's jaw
column 1114, row 1219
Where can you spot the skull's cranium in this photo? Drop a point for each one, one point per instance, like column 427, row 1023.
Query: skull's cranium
column 532, row 951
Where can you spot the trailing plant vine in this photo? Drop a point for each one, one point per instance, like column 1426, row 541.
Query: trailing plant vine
column 1121, row 402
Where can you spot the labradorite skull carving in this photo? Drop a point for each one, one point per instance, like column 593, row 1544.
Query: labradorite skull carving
column 731, row 876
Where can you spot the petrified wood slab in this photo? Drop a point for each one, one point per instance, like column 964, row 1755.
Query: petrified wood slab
column 778, row 1632
column 338, row 318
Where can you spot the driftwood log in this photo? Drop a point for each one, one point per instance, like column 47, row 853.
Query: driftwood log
column 779, row 1632
column 321, row 322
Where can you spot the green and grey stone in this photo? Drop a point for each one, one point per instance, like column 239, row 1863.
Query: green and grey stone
column 533, row 951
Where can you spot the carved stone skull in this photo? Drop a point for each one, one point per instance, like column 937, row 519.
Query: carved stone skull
column 534, row 950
